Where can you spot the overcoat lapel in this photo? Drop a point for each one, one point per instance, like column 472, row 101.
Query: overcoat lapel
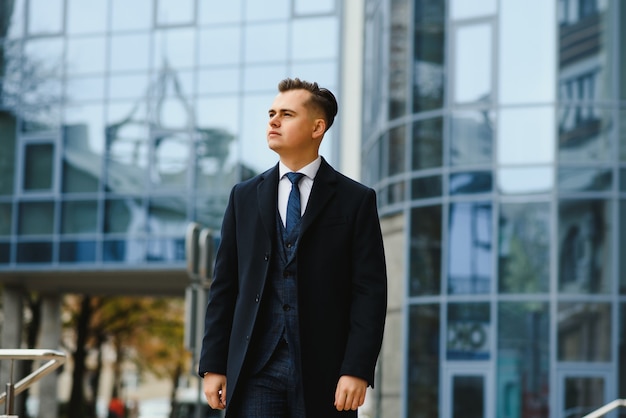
column 267, row 192
column 323, row 189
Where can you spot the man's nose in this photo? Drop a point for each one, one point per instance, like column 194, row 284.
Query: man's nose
column 274, row 121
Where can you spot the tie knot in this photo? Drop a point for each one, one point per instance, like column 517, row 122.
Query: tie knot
column 294, row 178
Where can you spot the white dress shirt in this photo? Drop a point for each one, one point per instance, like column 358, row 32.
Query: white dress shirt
column 305, row 185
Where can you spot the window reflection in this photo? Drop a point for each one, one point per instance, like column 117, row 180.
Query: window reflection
column 585, row 179
column 425, row 245
column 124, row 216
column 429, row 47
column 86, row 17
column 524, row 180
column 215, row 167
column 167, row 216
column 523, row 376
column 170, row 161
column 622, row 131
column 621, row 249
column 424, row 359
column 470, row 248
column 130, row 52
column 584, row 240
column 584, row 134
column 165, row 250
column 77, row 251
column 257, row 49
column 526, row 135
column 219, row 11
column 86, row 55
column 175, row 12
column 5, row 253
column 468, row 331
column 471, row 138
column 524, row 248
column 174, row 48
column 15, row 21
column 471, row 182
column 304, row 7
column 462, row 9
column 36, row 218
column 396, row 150
column 426, row 187
column 6, row 213
column 79, row 216
column 267, row 10
column 427, row 144
column 129, row 15
column 321, row 46
column 219, row 81
column 399, row 58
column 84, row 89
column 472, row 79
column 34, row 252
column 38, row 166
column 584, row 332
column 219, row 46
column 128, row 251
column 325, row 73
column 131, row 86
column 7, row 156
column 45, row 16
column 257, row 78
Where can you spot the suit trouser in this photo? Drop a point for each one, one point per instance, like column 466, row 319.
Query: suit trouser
column 273, row 392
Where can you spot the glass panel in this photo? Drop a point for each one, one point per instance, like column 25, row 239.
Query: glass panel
column 209, row 210
column 86, row 17
column 429, row 52
column 471, row 182
column 584, row 243
column 586, row 57
column 621, row 248
column 525, row 50
column 425, row 247
column 77, row 252
column 126, row 216
column 131, row 86
column 168, row 216
column 38, row 166
column 585, row 179
column 7, row 156
column 468, row 332
column 524, row 248
column 583, row 395
column 463, row 9
column 36, row 218
column 584, row 134
column 45, row 16
column 621, row 351
column 127, row 139
column 324, row 45
column 325, row 73
column 427, row 144
column 15, row 18
column 79, row 217
column 84, row 89
column 526, row 135
column 131, row 15
column 219, row 11
column 176, row 48
column 470, row 248
column 86, row 55
column 6, row 218
column 395, row 193
column 468, row 397
column 426, row 187
column 219, row 46
column 5, row 253
column 83, row 148
column 171, row 161
column 167, row 249
column 257, row 49
column 175, row 12
column 373, row 69
column 215, row 168
column 472, row 79
column 263, row 78
column 34, row 252
column 219, row 81
column 523, row 388
column 584, row 332
column 267, row 10
column 525, row 180
column 397, row 150
column 423, row 369
column 128, row 251
column 471, row 138
column 11, row 69
column 622, row 122
column 130, row 52
column 304, row 7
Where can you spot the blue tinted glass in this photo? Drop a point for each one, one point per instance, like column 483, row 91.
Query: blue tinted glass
column 584, row 332
column 304, row 7
column 175, row 12
column 34, row 252
column 176, row 48
column 130, row 52
column 426, row 187
column 77, row 251
column 470, row 183
column 427, row 143
column 79, row 217
column 124, row 216
column 6, row 211
column 36, row 218
column 87, row 17
column 219, row 11
column 471, row 138
column 167, row 216
column 136, row 14
column 5, row 253
column 219, row 46
column 86, row 55
column 585, row 179
column 473, row 79
column 45, row 16
column 425, row 258
column 470, row 248
column 585, row 133
column 325, row 43
column 166, row 249
column 125, row 251
column 258, row 49
column 469, row 331
column 267, row 10
column 523, row 180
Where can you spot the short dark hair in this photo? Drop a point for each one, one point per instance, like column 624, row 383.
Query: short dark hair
column 321, row 98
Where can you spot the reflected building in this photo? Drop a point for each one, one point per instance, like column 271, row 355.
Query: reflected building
column 494, row 135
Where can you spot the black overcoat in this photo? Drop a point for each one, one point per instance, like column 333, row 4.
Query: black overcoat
column 341, row 279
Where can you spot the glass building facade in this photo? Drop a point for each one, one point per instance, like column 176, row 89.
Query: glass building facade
column 495, row 134
column 122, row 121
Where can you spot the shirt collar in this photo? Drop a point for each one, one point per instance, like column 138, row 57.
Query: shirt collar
column 309, row 170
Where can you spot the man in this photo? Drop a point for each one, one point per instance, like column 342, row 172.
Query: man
column 296, row 312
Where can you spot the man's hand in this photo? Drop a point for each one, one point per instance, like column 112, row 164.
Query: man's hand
column 350, row 393
column 214, row 386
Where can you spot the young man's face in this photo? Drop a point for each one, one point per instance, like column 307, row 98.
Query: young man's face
column 293, row 129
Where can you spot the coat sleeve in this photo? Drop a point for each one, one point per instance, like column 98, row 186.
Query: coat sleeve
column 369, row 293
column 223, row 292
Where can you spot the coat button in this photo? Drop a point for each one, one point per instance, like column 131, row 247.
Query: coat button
column 289, row 245
column 257, row 298
column 286, row 307
column 267, row 257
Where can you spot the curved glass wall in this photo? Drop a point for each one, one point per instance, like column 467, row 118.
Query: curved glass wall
column 122, row 121
column 496, row 130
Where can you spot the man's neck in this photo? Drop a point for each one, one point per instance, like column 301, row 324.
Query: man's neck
column 295, row 164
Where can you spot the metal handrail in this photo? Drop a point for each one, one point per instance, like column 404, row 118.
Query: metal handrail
column 55, row 359
column 606, row 408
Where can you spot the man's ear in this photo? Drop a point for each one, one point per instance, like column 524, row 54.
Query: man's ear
column 319, row 128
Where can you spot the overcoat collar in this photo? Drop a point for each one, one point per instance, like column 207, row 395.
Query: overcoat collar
column 323, row 189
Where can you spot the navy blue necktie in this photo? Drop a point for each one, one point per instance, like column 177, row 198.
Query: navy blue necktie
column 293, row 204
